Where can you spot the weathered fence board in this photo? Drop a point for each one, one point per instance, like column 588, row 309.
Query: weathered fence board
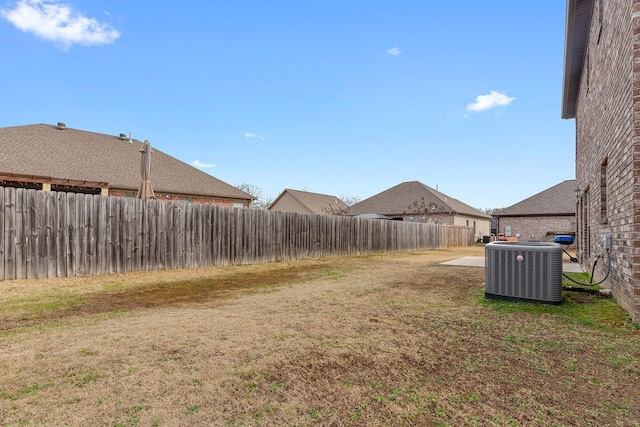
column 49, row 234
column 10, row 235
column 20, row 233
column 3, row 238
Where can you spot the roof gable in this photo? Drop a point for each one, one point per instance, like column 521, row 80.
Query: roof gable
column 66, row 153
column 413, row 197
column 557, row 200
column 311, row 202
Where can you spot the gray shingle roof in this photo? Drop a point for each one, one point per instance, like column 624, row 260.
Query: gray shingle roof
column 315, row 202
column 46, row 150
column 557, row 200
column 413, row 197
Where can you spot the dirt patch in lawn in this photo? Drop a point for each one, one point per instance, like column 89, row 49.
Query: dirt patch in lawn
column 374, row 340
column 152, row 290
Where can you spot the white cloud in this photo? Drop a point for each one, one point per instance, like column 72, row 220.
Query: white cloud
column 395, row 51
column 492, row 100
column 54, row 21
column 199, row 164
column 248, row 135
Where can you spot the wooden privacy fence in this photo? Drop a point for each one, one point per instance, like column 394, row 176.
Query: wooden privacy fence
column 55, row 234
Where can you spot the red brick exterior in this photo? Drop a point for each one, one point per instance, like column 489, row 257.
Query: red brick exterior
column 218, row 201
column 539, row 228
column 608, row 149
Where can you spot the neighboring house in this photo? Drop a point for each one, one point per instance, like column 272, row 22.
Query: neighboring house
column 414, row 201
column 601, row 91
column 541, row 217
column 58, row 158
column 306, row 202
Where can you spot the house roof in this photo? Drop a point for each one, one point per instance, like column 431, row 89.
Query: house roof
column 557, row 200
column 313, row 202
column 578, row 23
column 62, row 153
column 413, row 197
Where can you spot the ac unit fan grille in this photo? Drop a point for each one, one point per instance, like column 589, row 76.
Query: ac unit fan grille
column 524, row 271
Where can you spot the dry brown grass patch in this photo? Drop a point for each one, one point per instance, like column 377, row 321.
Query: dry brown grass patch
column 385, row 340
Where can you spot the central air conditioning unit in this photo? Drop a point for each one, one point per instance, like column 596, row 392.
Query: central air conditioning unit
column 523, row 271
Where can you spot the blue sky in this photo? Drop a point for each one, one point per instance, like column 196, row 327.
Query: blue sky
column 339, row 97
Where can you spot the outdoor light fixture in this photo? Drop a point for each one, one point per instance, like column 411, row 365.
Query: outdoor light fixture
column 578, row 192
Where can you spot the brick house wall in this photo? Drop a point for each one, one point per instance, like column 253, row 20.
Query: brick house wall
column 446, row 219
column 169, row 197
column 608, row 148
column 538, row 228
column 481, row 226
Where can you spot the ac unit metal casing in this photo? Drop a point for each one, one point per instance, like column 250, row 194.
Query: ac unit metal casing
column 523, row 271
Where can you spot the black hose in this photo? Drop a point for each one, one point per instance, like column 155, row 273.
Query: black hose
column 571, row 258
column 592, row 271
column 585, row 290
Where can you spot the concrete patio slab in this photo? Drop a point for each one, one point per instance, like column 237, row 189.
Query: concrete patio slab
column 466, row 261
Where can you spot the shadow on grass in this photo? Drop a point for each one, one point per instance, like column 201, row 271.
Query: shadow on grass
column 585, row 308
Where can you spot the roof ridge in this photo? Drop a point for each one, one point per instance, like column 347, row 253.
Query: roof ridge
column 45, row 150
